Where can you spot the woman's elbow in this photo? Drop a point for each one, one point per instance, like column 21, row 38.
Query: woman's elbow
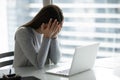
column 55, row 61
column 38, row 66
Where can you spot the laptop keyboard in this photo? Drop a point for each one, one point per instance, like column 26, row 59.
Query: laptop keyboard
column 66, row 71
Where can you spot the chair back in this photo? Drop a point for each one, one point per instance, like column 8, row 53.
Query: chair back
column 5, row 59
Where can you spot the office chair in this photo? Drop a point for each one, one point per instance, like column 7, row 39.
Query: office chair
column 7, row 61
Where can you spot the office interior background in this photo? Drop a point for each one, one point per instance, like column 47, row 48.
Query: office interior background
column 86, row 21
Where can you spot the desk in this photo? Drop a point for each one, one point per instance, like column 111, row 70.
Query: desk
column 97, row 73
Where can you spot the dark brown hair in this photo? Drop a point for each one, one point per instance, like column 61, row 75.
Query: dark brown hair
column 44, row 15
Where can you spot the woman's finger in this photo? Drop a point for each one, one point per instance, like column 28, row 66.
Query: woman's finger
column 61, row 24
column 54, row 25
column 49, row 23
column 42, row 27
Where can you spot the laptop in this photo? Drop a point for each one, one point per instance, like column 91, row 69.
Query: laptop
column 83, row 59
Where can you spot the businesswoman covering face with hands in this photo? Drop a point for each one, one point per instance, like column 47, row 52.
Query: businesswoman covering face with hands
column 36, row 42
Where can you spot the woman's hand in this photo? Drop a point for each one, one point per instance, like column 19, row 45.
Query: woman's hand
column 49, row 29
column 59, row 27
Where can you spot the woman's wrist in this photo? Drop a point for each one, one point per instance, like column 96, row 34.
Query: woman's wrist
column 54, row 37
column 49, row 36
column 46, row 36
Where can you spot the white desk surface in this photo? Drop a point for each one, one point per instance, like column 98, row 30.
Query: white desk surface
column 105, row 69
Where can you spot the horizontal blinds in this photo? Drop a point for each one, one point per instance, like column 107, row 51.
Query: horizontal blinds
column 89, row 22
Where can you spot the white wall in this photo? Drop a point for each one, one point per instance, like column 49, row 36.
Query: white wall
column 3, row 26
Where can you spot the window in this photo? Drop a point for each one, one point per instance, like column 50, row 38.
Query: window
column 86, row 21
column 18, row 12
column 3, row 27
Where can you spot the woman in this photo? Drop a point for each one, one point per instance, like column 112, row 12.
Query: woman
column 36, row 42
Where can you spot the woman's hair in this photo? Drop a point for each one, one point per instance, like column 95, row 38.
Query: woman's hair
column 44, row 15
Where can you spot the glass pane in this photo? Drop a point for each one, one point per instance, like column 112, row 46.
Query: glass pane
column 18, row 12
column 88, row 21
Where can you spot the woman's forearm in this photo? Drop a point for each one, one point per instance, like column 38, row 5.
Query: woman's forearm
column 55, row 53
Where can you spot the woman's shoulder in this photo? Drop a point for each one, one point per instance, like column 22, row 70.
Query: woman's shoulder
column 24, row 33
column 24, row 29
